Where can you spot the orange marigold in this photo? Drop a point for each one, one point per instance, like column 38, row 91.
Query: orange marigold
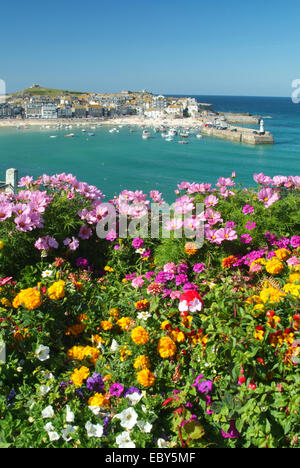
column 139, row 335
column 228, row 261
column 30, row 298
column 166, row 347
column 146, row 378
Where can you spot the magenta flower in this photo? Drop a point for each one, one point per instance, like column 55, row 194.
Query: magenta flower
column 246, row 238
column 232, row 431
column 138, row 282
column 137, row 242
column 116, row 389
column 248, row 209
column 295, row 241
column 111, row 235
column 250, row 225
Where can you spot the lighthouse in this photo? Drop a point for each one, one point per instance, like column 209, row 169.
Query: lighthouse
column 262, row 128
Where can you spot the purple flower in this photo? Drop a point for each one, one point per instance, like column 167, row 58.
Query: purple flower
column 232, row 431
column 95, row 383
column 190, row 287
column 131, row 390
column 82, row 263
column 205, row 386
column 116, row 389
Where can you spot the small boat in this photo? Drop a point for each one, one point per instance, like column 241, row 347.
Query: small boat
column 69, row 135
column 169, row 138
column 199, row 135
column 184, row 134
column 146, row 135
column 182, row 142
column 52, row 136
column 91, row 134
column 172, row 132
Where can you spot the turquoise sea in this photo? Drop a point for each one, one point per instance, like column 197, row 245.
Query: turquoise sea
column 115, row 161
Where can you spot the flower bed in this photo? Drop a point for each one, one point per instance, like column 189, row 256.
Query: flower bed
column 150, row 341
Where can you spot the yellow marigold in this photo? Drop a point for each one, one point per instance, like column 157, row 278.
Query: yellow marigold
column 274, row 266
column 30, row 298
column 114, row 312
column 5, row 302
column 79, row 375
column 166, row 347
column 271, row 295
column 125, row 353
column 142, row 362
column 294, row 277
column 75, row 330
column 106, row 325
column 258, row 310
column 140, row 336
column 108, row 268
column 190, row 248
column 146, row 378
column 97, row 339
column 293, row 289
column 57, row 290
column 84, row 352
column 124, row 323
column 98, row 400
column 282, row 254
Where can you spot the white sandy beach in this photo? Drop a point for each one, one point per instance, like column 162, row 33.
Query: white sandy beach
column 131, row 120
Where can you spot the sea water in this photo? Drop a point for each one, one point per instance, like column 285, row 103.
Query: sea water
column 117, row 161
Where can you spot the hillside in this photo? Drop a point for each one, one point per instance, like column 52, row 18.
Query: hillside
column 41, row 91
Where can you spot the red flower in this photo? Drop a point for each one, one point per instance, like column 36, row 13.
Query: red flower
column 167, row 401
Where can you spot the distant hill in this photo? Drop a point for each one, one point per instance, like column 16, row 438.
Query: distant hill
column 41, row 91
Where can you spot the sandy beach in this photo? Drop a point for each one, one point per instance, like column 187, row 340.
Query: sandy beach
column 131, row 120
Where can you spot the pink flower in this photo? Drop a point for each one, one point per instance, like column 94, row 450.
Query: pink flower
column 74, row 244
column 262, row 179
column 293, row 261
column 211, row 200
column 111, row 236
column 137, row 282
column 226, row 234
column 268, row 196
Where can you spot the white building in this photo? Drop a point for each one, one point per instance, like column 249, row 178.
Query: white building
column 154, row 113
column 49, row 111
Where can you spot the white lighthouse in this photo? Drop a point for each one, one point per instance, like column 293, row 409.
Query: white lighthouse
column 262, row 127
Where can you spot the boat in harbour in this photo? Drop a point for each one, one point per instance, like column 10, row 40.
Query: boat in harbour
column 146, row 135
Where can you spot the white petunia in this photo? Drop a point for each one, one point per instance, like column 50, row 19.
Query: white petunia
column 162, row 443
column 123, row 440
column 67, row 431
column 49, row 427
column 134, row 397
column 43, row 353
column 70, row 415
column 128, row 418
column 145, row 426
column 94, row 430
column 114, row 345
column 53, row 435
column 48, row 412
column 44, row 389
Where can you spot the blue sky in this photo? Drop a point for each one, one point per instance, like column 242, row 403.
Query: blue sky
column 173, row 47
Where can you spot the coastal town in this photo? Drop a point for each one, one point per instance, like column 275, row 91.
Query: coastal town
column 37, row 104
